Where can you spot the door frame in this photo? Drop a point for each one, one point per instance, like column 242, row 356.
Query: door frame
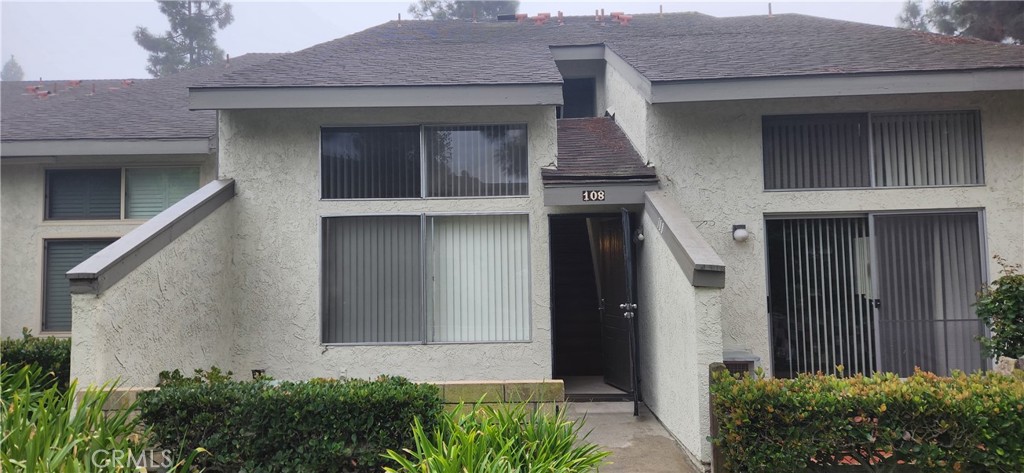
column 611, row 212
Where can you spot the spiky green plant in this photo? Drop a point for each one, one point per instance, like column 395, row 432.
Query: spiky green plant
column 499, row 438
column 46, row 430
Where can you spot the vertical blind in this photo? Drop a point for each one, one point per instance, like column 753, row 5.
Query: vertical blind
column 927, row 149
column 479, row 270
column 476, row 160
column 61, row 256
column 83, row 194
column 370, row 162
column 372, row 280
column 872, row 150
column 819, row 298
column 402, row 279
column 929, row 268
column 149, row 191
column 816, row 151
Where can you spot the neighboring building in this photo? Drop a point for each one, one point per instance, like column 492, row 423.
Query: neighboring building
column 83, row 163
column 627, row 202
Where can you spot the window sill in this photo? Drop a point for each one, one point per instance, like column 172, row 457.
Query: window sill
column 421, row 344
column 885, row 188
column 63, row 223
column 53, row 334
column 415, row 199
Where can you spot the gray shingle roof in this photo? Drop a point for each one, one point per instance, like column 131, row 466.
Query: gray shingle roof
column 148, row 109
column 670, row 47
column 596, row 149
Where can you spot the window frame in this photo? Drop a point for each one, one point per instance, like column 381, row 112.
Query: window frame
column 44, row 267
column 871, row 150
column 122, row 193
column 868, row 215
column 423, row 161
column 424, row 273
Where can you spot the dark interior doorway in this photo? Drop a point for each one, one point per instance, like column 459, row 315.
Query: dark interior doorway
column 579, row 97
column 592, row 340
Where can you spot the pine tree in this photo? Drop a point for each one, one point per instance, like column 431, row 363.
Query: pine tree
column 462, row 9
column 191, row 41
column 12, row 71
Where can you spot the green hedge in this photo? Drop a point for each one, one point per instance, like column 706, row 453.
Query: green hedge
column 321, row 425
column 51, row 355
column 969, row 423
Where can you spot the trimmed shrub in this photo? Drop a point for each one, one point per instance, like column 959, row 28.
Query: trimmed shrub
column 51, row 355
column 502, row 439
column 1001, row 307
column 883, row 423
column 320, row 425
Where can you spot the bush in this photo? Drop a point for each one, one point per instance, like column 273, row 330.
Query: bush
column 499, row 439
column 51, row 355
column 44, row 430
column 815, row 422
column 1001, row 307
column 320, row 425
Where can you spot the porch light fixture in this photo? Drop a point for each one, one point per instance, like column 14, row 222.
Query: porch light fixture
column 740, row 233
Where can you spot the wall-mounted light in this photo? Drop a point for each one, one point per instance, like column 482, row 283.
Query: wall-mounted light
column 740, row 233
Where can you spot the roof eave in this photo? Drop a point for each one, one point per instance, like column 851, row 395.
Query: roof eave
column 111, row 147
column 833, row 85
column 229, row 98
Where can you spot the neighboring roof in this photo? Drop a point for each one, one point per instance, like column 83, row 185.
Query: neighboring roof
column 663, row 48
column 596, row 149
column 147, row 109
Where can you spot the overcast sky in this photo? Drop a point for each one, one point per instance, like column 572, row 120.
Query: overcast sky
column 93, row 40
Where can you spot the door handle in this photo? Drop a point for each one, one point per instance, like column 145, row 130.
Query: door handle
column 627, row 306
column 628, row 315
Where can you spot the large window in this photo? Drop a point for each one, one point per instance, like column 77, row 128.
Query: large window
column 429, row 161
column 60, row 257
column 889, row 295
column 425, row 279
column 872, row 150
column 98, row 194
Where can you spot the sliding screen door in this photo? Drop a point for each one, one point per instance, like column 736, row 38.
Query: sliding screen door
column 819, row 297
column 929, row 269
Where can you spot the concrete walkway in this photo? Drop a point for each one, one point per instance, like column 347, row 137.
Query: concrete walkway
column 638, row 444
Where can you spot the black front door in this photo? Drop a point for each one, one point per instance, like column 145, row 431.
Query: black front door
column 612, row 248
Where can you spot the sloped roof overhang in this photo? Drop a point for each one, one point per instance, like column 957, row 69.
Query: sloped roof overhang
column 220, row 98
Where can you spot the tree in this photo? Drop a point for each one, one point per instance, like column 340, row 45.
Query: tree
column 462, row 9
column 988, row 20
column 190, row 43
column 1001, row 307
column 12, row 71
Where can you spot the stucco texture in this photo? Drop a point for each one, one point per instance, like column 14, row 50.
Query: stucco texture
column 274, row 158
column 680, row 334
column 23, row 229
column 172, row 312
column 709, row 157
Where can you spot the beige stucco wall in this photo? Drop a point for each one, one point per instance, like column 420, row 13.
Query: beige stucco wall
column 709, row 157
column 23, row 230
column 274, row 158
column 680, row 335
column 629, row 108
column 174, row 311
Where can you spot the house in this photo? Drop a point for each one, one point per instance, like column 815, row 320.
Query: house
column 82, row 163
column 614, row 199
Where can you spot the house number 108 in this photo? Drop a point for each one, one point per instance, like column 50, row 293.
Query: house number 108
column 593, row 196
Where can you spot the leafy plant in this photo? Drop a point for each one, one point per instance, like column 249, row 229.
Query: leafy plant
column 503, row 438
column 52, row 355
column 176, row 378
column 320, row 425
column 1001, row 307
column 881, row 423
column 45, row 430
